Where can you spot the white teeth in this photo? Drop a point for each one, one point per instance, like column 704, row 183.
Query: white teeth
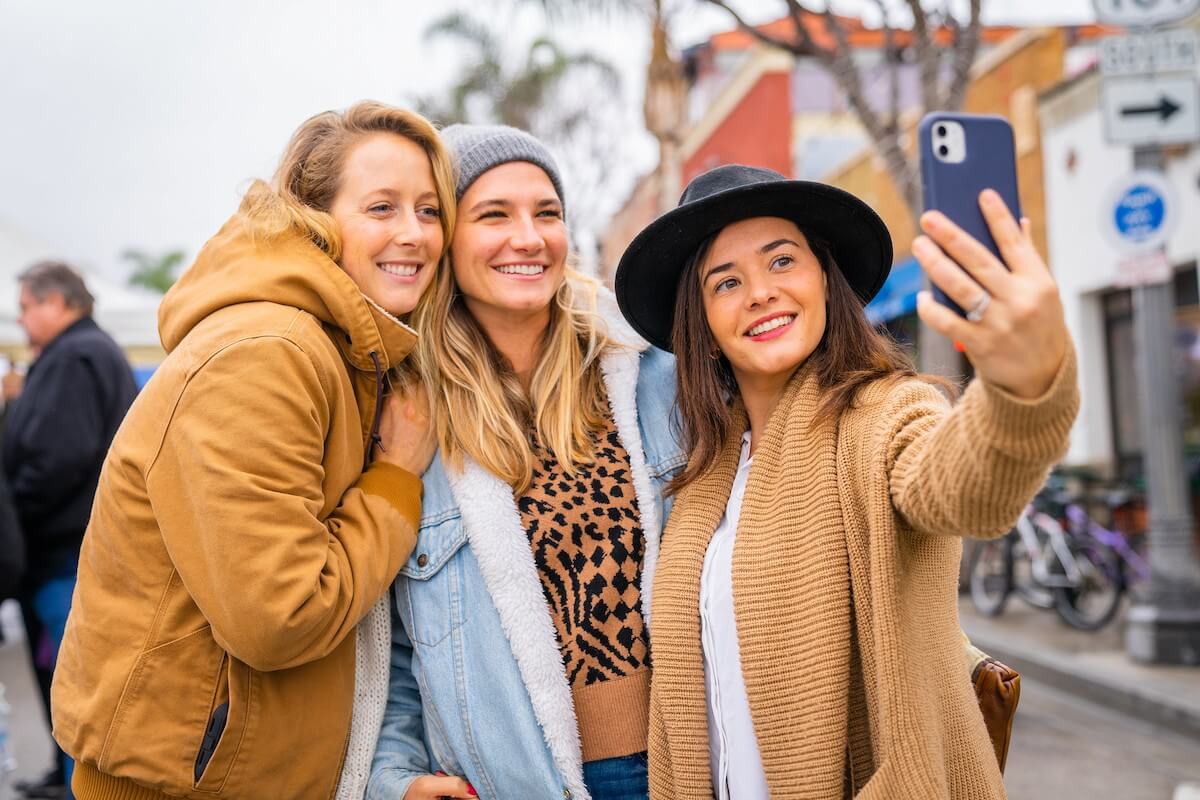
column 403, row 270
column 521, row 269
column 770, row 325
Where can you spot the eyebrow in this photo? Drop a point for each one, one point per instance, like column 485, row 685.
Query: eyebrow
column 766, row 248
column 482, row 204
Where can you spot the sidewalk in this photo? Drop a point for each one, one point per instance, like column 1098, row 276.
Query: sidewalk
column 29, row 736
column 1093, row 666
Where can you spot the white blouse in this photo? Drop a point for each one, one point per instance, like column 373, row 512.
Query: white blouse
column 737, row 771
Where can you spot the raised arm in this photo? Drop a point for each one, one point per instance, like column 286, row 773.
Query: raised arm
column 969, row 471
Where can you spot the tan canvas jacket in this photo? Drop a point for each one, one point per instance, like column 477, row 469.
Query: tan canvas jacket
column 235, row 541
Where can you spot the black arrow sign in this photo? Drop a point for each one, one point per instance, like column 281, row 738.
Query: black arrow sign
column 1165, row 108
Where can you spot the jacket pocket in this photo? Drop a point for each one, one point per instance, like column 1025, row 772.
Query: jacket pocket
column 221, row 738
column 164, row 710
column 430, row 592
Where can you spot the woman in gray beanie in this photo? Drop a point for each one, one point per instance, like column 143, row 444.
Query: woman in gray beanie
column 520, row 658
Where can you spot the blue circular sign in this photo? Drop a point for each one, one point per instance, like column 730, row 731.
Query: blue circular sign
column 1139, row 212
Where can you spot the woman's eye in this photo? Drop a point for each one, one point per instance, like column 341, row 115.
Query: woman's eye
column 725, row 285
column 380, row 208
column 492, row 215
column 551, row 213
column 782, row 262
column 431, row 211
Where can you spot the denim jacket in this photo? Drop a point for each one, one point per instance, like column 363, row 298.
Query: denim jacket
column 477, row 685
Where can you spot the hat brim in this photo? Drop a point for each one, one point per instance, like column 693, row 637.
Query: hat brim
column 647, row 278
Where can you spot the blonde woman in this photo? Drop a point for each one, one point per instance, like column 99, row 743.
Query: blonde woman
column 241, row 529
column 520, row 663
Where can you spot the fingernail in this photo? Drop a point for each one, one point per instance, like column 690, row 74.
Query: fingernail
column 471, row 791
column 990, row 196
column 931, row 219
column 920, row 245
column 440, row 774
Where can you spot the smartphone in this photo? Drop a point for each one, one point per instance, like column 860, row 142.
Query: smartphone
column 961, row 155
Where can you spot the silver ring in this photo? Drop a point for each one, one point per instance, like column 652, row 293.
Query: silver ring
column 976, row 312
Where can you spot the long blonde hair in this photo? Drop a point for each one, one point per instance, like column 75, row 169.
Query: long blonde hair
column 480, row 409
column 310, row 172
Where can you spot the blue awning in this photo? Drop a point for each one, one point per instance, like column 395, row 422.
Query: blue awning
column 899, row 293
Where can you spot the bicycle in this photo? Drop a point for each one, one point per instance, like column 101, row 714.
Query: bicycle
column 1075, row 570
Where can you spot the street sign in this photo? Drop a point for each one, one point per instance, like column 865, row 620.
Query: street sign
column 1143, row 268
column 1165, row 51
column 1140, row 212
column 1162, row 109
column 1143, row 13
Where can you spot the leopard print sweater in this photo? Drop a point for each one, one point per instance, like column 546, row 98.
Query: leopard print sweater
column 586, row 535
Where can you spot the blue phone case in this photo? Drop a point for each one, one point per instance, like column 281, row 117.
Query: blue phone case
column 953, row 189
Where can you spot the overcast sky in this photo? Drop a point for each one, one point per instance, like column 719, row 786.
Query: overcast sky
column 136, row 123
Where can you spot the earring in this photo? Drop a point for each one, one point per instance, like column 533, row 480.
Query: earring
column 715, row 354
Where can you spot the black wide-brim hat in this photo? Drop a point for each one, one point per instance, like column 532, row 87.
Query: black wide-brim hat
column 647, row 278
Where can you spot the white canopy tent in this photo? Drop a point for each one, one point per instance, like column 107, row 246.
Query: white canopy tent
column 129, row 314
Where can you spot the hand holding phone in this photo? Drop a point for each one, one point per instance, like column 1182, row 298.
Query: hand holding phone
column 961, row 155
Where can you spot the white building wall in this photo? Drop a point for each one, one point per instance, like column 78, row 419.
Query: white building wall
column 1080, row 169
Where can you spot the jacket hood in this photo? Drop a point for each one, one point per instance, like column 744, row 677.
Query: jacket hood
column 234, row 267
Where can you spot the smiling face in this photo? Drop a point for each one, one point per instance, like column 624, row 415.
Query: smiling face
column 510, row 245
column 388, row 216
column 764, row 296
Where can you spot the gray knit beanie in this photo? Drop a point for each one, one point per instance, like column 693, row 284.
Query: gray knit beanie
column 478, row 148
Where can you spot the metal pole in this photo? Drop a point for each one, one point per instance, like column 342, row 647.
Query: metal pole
column 1164, row 621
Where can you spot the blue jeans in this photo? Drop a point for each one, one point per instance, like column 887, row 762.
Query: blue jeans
column 624, row 778
column 51, row 604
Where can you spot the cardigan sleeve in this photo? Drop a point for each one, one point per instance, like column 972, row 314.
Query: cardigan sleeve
column 970, row 470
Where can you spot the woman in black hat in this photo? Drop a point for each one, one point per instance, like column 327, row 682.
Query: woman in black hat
column 806, row 639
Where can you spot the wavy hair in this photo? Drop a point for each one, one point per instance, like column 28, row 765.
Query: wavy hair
column 309, row 175
column 481, row 410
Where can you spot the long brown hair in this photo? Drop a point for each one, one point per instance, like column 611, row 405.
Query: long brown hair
column 850, row 355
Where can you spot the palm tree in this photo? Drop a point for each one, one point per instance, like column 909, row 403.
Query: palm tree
column 157, row 273
column 492, row 90
column 568, row 100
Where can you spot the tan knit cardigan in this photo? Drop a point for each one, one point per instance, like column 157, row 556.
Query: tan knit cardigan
column 845, row 589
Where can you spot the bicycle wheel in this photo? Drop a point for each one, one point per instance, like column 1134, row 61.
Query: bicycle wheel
column 1026, row 587
column 1093, row 603
column 991, row 575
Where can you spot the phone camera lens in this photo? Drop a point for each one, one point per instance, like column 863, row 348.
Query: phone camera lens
column 941, row 130
column 943, row 151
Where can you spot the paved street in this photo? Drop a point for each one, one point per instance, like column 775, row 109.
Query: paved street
column 1063, row 747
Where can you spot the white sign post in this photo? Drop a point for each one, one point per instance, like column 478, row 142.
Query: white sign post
column 1143, row 13
column 1163, row 623
column 1149, row 110
column 1175, row 50
column 1138, row 216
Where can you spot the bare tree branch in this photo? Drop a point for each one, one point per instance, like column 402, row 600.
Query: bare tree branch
column 771, row 41
column 893, row 63
column 928, row 57
column 966, row 47
column 848, row 77
column 797, row 11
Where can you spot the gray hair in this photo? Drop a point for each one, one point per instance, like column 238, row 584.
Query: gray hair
column 45, row 277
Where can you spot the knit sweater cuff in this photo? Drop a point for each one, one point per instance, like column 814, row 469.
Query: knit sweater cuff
column 1033, row 429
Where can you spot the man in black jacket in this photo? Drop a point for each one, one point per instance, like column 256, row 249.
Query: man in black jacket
column 57, row 435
